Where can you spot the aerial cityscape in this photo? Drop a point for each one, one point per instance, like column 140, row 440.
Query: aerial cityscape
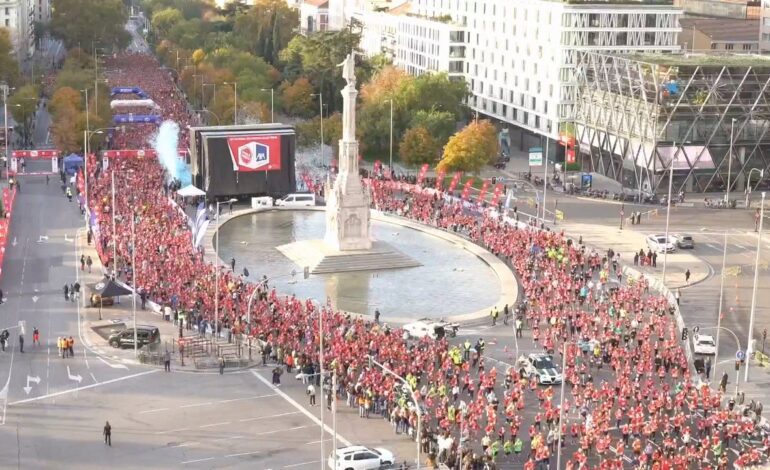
column 384, row 234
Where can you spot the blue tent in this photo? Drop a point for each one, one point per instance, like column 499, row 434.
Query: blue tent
column 72, row 163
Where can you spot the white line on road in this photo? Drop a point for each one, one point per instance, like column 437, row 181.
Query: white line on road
column 301, row 464
column 197, row 460
column 275, row 431
column 248, row 398
column 94, row 377
column 114, row 366
column 713, row 247
column 153, row 411
column 184, row 444
column 86, row 387
column 740, row 246
column 172, row 430
column 317, row 442
column 245, row 420
column 299, row 407
column 196, row 404
column 214, row 424
column 242, row 453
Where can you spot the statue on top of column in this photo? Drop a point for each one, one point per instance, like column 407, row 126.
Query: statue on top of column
column 348, row 72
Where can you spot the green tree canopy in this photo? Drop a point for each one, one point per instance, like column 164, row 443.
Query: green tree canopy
column 9, row 68
column 266, row 28
column 298, row 99
column 471, row 148
column 435, row 91
column 22, row 105
column 439, row 124
column 165, row 19
column 90, row 23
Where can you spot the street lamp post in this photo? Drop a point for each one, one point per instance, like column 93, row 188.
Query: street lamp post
column 321, row 110
column 730, row 163
column 390, row 165
column 748, row 187
column 272, row 102
column 5, row 90
column 203, row 88
column 561, row 402
column 721, row 297
column 414, row 399
column 750, row 341
column 668, row 211
column 235, row 101
column 216, row 273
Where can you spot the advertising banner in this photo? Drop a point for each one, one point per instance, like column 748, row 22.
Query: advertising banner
column 35, row 153
column 423, row 172
column 255, row 153
column 467, row 189
column 440, row 179
column 455, row 181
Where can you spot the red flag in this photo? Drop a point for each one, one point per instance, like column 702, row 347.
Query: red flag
column 455, row 181
column 483, row 191
column 467, row 188
column 440, row 179
column 423, row 171
column 497, row 193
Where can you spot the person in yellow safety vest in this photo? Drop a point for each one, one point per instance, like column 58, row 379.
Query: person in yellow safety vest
column 69, row 193
column 508, row 447
column 451, row 412
column 467, row 350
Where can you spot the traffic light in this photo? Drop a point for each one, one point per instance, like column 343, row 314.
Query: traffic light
column 684, row 334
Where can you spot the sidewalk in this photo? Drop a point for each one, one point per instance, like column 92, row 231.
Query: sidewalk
column 115, row 316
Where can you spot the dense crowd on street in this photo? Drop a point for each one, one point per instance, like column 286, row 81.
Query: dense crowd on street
column 631, row 398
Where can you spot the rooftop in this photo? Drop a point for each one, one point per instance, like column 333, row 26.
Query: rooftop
column 712, row 58
column 724, row 29
column 634, row 3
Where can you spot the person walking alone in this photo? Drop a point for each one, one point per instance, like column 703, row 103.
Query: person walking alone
column 311, row 393
column 108, row 434
column 167, row 361
column 35, row 337
column 21, row 343
column 89, row 263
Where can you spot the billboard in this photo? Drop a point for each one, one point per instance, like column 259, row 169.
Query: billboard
column 255, row 152
column 243, row 160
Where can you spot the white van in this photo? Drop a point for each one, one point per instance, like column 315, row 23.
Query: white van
column 264, row 201
column 297, row 200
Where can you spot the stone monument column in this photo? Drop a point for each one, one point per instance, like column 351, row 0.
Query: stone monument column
column 347, row 201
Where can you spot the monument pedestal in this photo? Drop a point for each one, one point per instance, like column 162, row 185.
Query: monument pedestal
column 322, row 258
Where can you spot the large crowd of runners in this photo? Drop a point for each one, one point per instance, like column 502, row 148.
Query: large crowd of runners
column 631, row 398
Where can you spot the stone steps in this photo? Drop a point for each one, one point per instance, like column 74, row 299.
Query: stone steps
column 364, row 262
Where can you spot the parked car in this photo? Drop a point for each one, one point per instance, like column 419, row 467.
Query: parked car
column 704, row 344
column 145, row 335
column 361, row 458
column 297, row 200
column 658, row 243
column 435, row 329
column 684, row 241
column 541, row 366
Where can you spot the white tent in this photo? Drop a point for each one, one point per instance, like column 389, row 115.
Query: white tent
column 133, row 104
column 190, row 191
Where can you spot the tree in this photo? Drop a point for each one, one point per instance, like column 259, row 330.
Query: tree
column 65, row 98
column 435, row 91
column 67, row 131
column 385, row 84
column 471, row 148
column 88, row 23
column 22, row 105
column 418, row 146
column 439, row 124
column 298, row 99
column 165, row 19
column 309, row 132
column 266, row 28
column 9, row 68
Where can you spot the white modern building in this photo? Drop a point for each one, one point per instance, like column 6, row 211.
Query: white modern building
column 313, row 16
column 379, row 28
column 18, row 16
column 764, row 26
column 520, row 56
column 426, row 45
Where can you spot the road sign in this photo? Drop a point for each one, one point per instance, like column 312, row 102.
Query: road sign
column 535, row 156
column 740, row 355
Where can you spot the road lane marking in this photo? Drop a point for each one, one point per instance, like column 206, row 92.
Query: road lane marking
column 197, row 460
column 172, row 430
column 300, row 408
column 712, row 246
column 184, row 444
column 114, row 366
column 302, row 464
column 248, row 398
column 86, row 387
column 275, row 431
column 242, row 453
column 214, row 424
column 196, row 405
column 153, row 411
column 245, row 420
column 317, row 442
column 94, row 377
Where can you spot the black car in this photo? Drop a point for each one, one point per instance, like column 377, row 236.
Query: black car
column 144, row 334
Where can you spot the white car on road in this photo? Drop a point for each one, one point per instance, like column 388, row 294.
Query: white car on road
column 361, row 458
column 659, row 244
column 435, row 329
column 704, row 344
column 541, row 366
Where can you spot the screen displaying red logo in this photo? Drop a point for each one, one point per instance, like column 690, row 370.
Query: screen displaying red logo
column 255, row 153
